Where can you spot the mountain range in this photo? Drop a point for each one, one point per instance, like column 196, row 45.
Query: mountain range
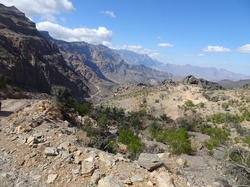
column 33, row 60
column 209, row 73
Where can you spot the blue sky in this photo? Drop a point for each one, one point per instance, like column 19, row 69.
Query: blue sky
column 209, row 33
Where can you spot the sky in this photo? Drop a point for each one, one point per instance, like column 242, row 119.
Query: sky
column 207, row 33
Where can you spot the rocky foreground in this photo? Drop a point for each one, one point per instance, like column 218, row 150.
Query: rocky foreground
column 38, row 148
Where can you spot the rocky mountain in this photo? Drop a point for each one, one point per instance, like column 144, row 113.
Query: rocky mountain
column 30, row 61
column 209, row 73
column 234, row 84
column 100, row 64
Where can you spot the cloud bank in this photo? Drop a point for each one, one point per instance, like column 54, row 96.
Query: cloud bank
column 244, row 48
column 93, row 36
column 216, row 49
column 40, row 7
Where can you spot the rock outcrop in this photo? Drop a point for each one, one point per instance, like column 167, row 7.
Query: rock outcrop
column 201, row 82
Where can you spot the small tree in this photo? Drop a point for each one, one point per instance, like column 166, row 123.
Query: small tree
column 63, row 95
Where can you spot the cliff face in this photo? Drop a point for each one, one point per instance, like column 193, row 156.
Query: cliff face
column 29, row 60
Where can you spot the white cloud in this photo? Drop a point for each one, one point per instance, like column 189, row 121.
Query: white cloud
column 215, row 49
column 244, row 48
column 93, row 36
column 200, row 54
column 41, row 7
column 139, row 49
column 109, row 13
column 165, row 45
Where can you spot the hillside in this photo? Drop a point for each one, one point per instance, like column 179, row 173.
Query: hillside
column 129, row 139
column 30, row 61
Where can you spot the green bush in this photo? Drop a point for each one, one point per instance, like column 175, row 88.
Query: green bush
column 3, row 82
column 189, row 103
column 178, row 141
column 82, row 108
column 224, row 118
column 134, row 143
column 63, row 96
column 102, row 120
column 246, row 140
column 218, row 137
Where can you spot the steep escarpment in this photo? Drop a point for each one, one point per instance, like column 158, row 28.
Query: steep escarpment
column 29, row 60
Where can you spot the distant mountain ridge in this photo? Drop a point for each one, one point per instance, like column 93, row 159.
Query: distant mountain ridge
column 100, row 64
column 209, row 73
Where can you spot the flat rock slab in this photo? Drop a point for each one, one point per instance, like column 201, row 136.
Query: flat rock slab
column 149, row 161
column 109, row 181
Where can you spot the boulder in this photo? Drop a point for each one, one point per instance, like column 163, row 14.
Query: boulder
column 109, row 181
column 87, row 168
column 149, row 161
column 164, row 180
column 49, row 151
column 201, row 82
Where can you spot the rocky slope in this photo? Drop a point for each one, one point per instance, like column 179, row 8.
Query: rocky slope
column 29, row 60
column 40, row 148
column 209, row 73
column 99, row 64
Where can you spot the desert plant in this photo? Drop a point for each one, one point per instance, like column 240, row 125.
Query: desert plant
column 62, row 95
column 239, row 167
column 189, row 103
column 132, row 140
column 178, row 141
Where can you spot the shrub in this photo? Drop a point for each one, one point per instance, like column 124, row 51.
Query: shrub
column 190, row 123
column 134, row 143
column 166, row 118
column 82, row 108
column 102, row 120
column 221, row 136
column 239, row 167
column 218, row 137
column 224, row 118
column 178, row 141
column 63, row 95
column 189, row 103
column 246, row 140
column 3, row 82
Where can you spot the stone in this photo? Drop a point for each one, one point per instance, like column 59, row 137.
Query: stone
column 164, row 180
column 92, row 156
column 181, row 162
column 107, row 158
column 51, row 178
column 77, row 160
column 38, row 135
column 66, row 155
column 136, row 178
column 149, row 161
column 49, row 151
column 64, row 146
column 87, row 168
column 31, row 140
column 97, row 175
column 109, row 181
